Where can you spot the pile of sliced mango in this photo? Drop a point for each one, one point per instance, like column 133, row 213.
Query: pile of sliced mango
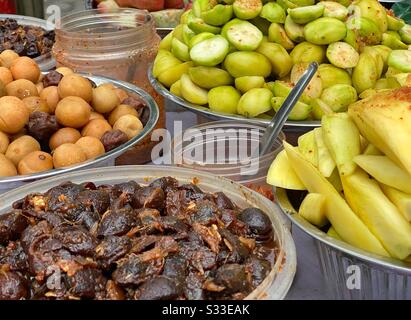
column 357, row 170
column 244, row 56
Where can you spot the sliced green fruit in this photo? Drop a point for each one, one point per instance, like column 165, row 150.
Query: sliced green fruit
column 300, row 112
column 335, row 10
column 218, row 15
column 374, row 11
column 379, row 61
column 294, row 31
column 326, row 163
column 342, row 139
column 365, row 74
column 174, row 74
column 393, row 42
column 307, row 147
column 164, row 61
column 307, row 52
column 381, row 84
column 320, row 108
column 199, row 6
column 344, row 220
column 405, row 34
column 352, row 39
column 178, row 32
column 315, row 87
column 255, row 102
column 244, row 84
column 273, row 12
column 283, row 89
column 247, row 9
column 191, row 92
column 384, row 170
column 180, row 50
column 384, row 52
column 286, row 4
column 367, row 93
column 198, row 26
column 400, row 199
column 312, row 209
column 303, row 15
column 401, row 60
column 325, row 31
column 367, row 31
column 224, row 99
column 210, row 52
column 277, row 34
column 188, row 34
column 244, row 36
column 395, row 34
column 210, row 77
column 245, row 63
column 176, row 89
column 185, row 15
column 383, row 219
column 200, row 38
column 331, row 75
column 281, row 61
column 165, row 43
column 339, row 97
column 282, row 175
column 342, row 55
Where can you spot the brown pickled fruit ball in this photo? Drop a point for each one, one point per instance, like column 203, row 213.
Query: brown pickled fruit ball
column 34, row 104
column 7, row 57
column 105, row 98
column 77, row 86
column 4, row 142
column 130, row 125
column 35, row 162
column 68, row 154
column 96, row 128
column 21, row 147
column 120, row 111
column 73, row 112
column 92, row 147
column 7, row 168
column 22, row 88
column 51, row 96
column 25, row 68
column 14, row 115
column 63, row 136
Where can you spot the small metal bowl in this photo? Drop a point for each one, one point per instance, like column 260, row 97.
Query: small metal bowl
column 380, row 277
column 105, row 159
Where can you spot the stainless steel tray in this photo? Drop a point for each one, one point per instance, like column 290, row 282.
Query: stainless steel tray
column 381, row 277
column 277, row 283
column 12, row 182
column 213, row 115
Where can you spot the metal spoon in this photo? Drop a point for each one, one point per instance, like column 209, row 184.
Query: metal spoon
column 275, row 126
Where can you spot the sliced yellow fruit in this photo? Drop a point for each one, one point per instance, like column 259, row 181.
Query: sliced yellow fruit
column 326, row 163
column 401, row 200
column 333, row 234
column 281, row 174
column 382, row 169
column 383, row 219
column 308, row 147
column 312, row 209
column 351, row 229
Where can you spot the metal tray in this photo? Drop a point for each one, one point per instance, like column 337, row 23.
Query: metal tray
column 12, row 182
column 277, row 283
column 381, row 277
column 213, row 115
column 46, row 61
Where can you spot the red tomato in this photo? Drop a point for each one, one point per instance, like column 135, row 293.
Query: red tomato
column 174, row 4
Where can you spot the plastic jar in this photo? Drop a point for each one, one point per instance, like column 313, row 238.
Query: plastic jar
column 226, row 149
column 120, row 44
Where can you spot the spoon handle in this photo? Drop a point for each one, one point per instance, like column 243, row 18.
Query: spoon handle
column 276, row 125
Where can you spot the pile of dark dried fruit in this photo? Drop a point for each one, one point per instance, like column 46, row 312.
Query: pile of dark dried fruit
column 126, row 241
column 31, row 41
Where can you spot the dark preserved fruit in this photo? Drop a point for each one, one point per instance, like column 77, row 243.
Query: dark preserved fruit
column 113, row 139
column 161, row 241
